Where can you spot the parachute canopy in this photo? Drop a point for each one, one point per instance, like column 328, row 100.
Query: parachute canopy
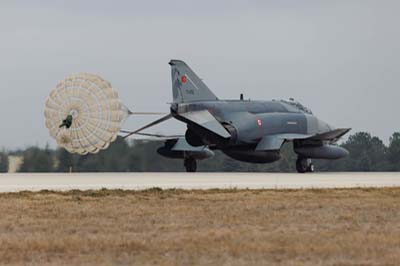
column 84, row 113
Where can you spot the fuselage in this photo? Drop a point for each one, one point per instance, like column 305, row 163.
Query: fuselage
column 248, row 122
column 252, row 120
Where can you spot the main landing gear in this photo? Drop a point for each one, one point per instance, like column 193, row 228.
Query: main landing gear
column 190, row 164
column 304, row 165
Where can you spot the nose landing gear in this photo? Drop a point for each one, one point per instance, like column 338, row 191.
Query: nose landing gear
column 304, row 165
column 190, row 164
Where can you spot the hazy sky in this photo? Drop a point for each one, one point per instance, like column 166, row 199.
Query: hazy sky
column 340, row 58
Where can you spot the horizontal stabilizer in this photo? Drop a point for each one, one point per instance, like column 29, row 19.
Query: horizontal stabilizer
column 179, row 149
column 206, row 120
column 182, row 145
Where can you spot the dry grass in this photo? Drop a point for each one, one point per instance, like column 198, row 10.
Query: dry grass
column 216, row 227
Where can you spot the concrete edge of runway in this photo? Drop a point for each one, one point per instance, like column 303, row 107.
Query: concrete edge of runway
column 193, row 181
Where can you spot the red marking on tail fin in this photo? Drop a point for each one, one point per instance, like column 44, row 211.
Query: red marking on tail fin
column 184, row 79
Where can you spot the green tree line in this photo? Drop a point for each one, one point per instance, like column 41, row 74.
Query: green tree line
column 3, row 162
column 367, row 153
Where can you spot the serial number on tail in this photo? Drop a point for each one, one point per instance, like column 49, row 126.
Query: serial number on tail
column 191, row 92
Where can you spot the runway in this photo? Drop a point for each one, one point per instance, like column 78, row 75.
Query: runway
column 141, row 181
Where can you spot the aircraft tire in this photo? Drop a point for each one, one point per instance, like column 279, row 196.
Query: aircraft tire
column 304, row 165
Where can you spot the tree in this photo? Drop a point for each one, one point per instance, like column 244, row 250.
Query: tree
column 113, row 159
column 367, row 153
column 37, row 160
column 394, row 152
column 3, row 162
column 143, row 157
column 66, row 161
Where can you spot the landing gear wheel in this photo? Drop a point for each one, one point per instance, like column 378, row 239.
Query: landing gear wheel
column 190, row 165
column 304, row 165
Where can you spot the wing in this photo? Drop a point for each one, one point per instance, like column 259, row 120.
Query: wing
column 331, row 135
column 274, row 142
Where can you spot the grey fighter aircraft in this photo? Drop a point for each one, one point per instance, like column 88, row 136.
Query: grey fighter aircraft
column 245, row 130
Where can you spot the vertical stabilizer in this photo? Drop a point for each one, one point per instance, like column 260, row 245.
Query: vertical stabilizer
column 187, row 86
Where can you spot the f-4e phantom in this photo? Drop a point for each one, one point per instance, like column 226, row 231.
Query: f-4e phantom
column 245, row 130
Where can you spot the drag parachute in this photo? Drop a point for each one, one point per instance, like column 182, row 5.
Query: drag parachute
column 84, row 113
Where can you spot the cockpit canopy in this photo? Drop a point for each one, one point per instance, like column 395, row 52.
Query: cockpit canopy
column 296, row 105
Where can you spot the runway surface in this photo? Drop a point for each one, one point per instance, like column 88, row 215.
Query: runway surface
column 140, row 181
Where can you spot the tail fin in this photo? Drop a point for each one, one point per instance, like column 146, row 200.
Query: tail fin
column 187, row 86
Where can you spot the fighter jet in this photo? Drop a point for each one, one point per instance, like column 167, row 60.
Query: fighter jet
column 245, row 130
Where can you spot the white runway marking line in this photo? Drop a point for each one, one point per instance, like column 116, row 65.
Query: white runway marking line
column 141, row 181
